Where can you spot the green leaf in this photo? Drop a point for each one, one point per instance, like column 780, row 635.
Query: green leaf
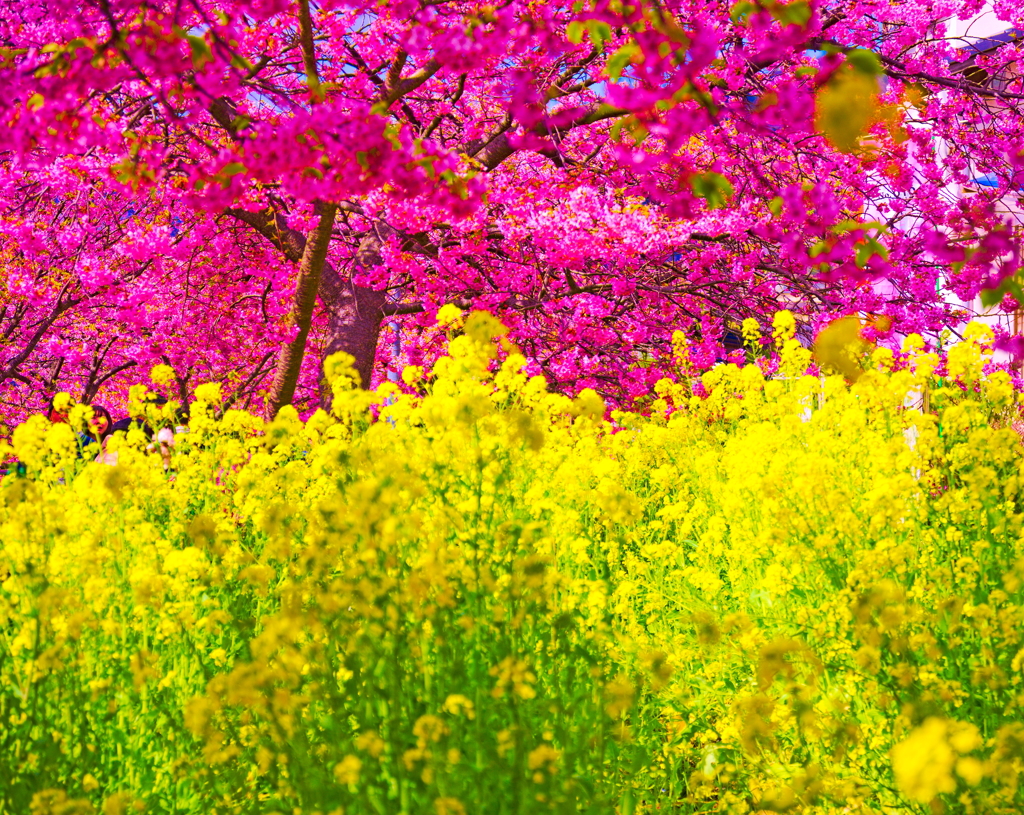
column 600, row 32
column 1015, row 290
column 713, row 187
column 201, row 53
column 35, row 101
column 393, row 133
column 741, row 11
column 123, row 171
column 456, row 184
column 622, row 57
column 797, row 13
column 864, row 61
column 851, row 225
column 574, row 32
column 867, row 249
column 992, row 297
column 234, row 168
column 632, row 126
column 1011, row 285
column 845, row 108
column 240, row 63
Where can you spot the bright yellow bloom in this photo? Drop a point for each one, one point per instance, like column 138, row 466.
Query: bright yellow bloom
column 347, row 770
column 923, row 762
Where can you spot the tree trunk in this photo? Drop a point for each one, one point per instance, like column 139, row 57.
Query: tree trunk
column 355, row 314
column 314, row 256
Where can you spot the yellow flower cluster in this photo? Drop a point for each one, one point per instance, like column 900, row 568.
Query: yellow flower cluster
column 474, row 595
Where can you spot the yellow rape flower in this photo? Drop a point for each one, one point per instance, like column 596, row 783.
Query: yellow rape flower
column 161, row 375
column 371, row 743
column 923, row 762
column 751, row 331
column 783, row 326
column 347, row 770
column 449, row 316
column 209, row 393
column 457, row 704
column 449, row 806
column 515, row 675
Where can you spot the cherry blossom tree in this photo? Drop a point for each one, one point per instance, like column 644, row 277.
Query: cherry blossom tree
column 242, row 188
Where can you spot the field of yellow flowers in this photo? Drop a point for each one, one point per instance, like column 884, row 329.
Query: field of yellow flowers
column 794, row 595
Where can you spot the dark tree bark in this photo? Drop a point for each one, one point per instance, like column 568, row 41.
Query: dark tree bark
column 355, row 314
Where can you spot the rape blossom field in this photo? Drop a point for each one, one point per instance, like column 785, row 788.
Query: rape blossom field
column 472, row 595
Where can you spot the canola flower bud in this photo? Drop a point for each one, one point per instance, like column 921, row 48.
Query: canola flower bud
column 138, row 397
column 79, row 416
column 120, row 803
column 347, row 770
column 751, row 331
column 449, row 316
column 589, row 405
column 543, row 757
column 61, row 440
column 209, row 393
column 62, row 402
column 924, row 762
column 883, row 358
column 680, row 348
column 979, row 333
column 459, row 705
column 449, row 806
column 484, row 327
column 964, row 361
column 783, row 326
column 412, row 375
column 30, row 441
column 999, row 390
column 285, row 427
column 340, row 372
column 162, row 375
column 478, row 524
column 913, row 344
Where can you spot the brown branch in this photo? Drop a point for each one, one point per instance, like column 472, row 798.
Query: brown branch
column 308, row 49
column 409, row 84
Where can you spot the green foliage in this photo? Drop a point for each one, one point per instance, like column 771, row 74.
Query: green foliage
column 713, row 187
